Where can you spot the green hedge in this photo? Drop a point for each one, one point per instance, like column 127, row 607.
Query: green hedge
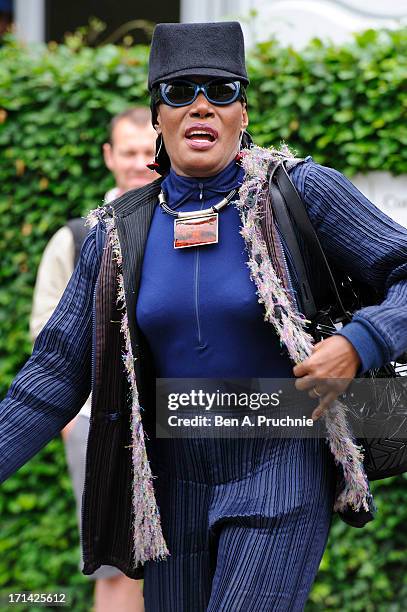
column 342, row 105
column 39, row 543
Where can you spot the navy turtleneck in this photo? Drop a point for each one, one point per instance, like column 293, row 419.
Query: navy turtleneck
column 197, row 307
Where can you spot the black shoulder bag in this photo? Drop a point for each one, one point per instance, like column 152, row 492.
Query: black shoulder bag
column 328, row 298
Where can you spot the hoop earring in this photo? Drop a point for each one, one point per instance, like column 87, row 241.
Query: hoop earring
column 154, row 166
column 239, row 154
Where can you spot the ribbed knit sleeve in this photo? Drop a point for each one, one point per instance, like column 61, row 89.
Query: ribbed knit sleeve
column 55, row 381
column 370, row 246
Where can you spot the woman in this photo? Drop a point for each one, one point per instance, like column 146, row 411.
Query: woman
column 245, row 521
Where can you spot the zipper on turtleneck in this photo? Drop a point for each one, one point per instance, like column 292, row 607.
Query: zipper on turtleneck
column 196, row 277
column 195, row 194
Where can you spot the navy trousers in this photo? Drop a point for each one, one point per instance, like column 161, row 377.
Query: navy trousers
column 246, row 522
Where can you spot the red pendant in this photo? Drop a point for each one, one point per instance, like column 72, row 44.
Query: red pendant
column 195, row 231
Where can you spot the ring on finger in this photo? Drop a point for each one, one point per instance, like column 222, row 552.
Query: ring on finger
column 317, row 393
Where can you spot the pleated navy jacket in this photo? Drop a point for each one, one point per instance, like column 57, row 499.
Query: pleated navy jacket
column 81, row 345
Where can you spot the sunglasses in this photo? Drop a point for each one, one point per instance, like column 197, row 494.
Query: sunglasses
column 182, row 93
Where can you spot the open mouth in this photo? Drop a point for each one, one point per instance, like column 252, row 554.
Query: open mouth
column 201, row 135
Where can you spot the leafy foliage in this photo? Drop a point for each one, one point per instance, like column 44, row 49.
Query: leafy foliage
column 364, row 570
column 344, row 105
column 55, row 107
column 39, row 543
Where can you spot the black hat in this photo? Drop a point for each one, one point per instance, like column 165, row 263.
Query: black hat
column 197, row 49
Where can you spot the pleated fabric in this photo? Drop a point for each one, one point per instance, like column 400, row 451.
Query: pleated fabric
column 371, row 247
column 200, row 521
column 246, row 522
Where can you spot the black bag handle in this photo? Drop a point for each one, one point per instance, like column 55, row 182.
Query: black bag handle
column 284, row 223
column 285, row 197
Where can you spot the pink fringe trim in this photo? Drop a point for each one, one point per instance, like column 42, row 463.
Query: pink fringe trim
column 290, row 324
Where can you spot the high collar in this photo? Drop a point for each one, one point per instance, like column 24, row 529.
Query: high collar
column 181, row 189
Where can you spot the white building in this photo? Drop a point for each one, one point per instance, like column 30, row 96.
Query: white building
column 293, row 21
column 296, row 21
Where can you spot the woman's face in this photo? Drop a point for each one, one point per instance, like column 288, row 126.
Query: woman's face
column 201, row 155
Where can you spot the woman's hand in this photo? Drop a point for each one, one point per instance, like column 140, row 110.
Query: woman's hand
column 328, row 372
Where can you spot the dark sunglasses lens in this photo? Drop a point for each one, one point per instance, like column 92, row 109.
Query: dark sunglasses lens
column 179, row 92
column 222, row 92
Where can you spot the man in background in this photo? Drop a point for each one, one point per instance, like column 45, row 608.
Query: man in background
column 131, row 146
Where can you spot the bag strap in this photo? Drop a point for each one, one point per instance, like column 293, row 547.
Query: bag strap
column 286, row 229
column 283, row 190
